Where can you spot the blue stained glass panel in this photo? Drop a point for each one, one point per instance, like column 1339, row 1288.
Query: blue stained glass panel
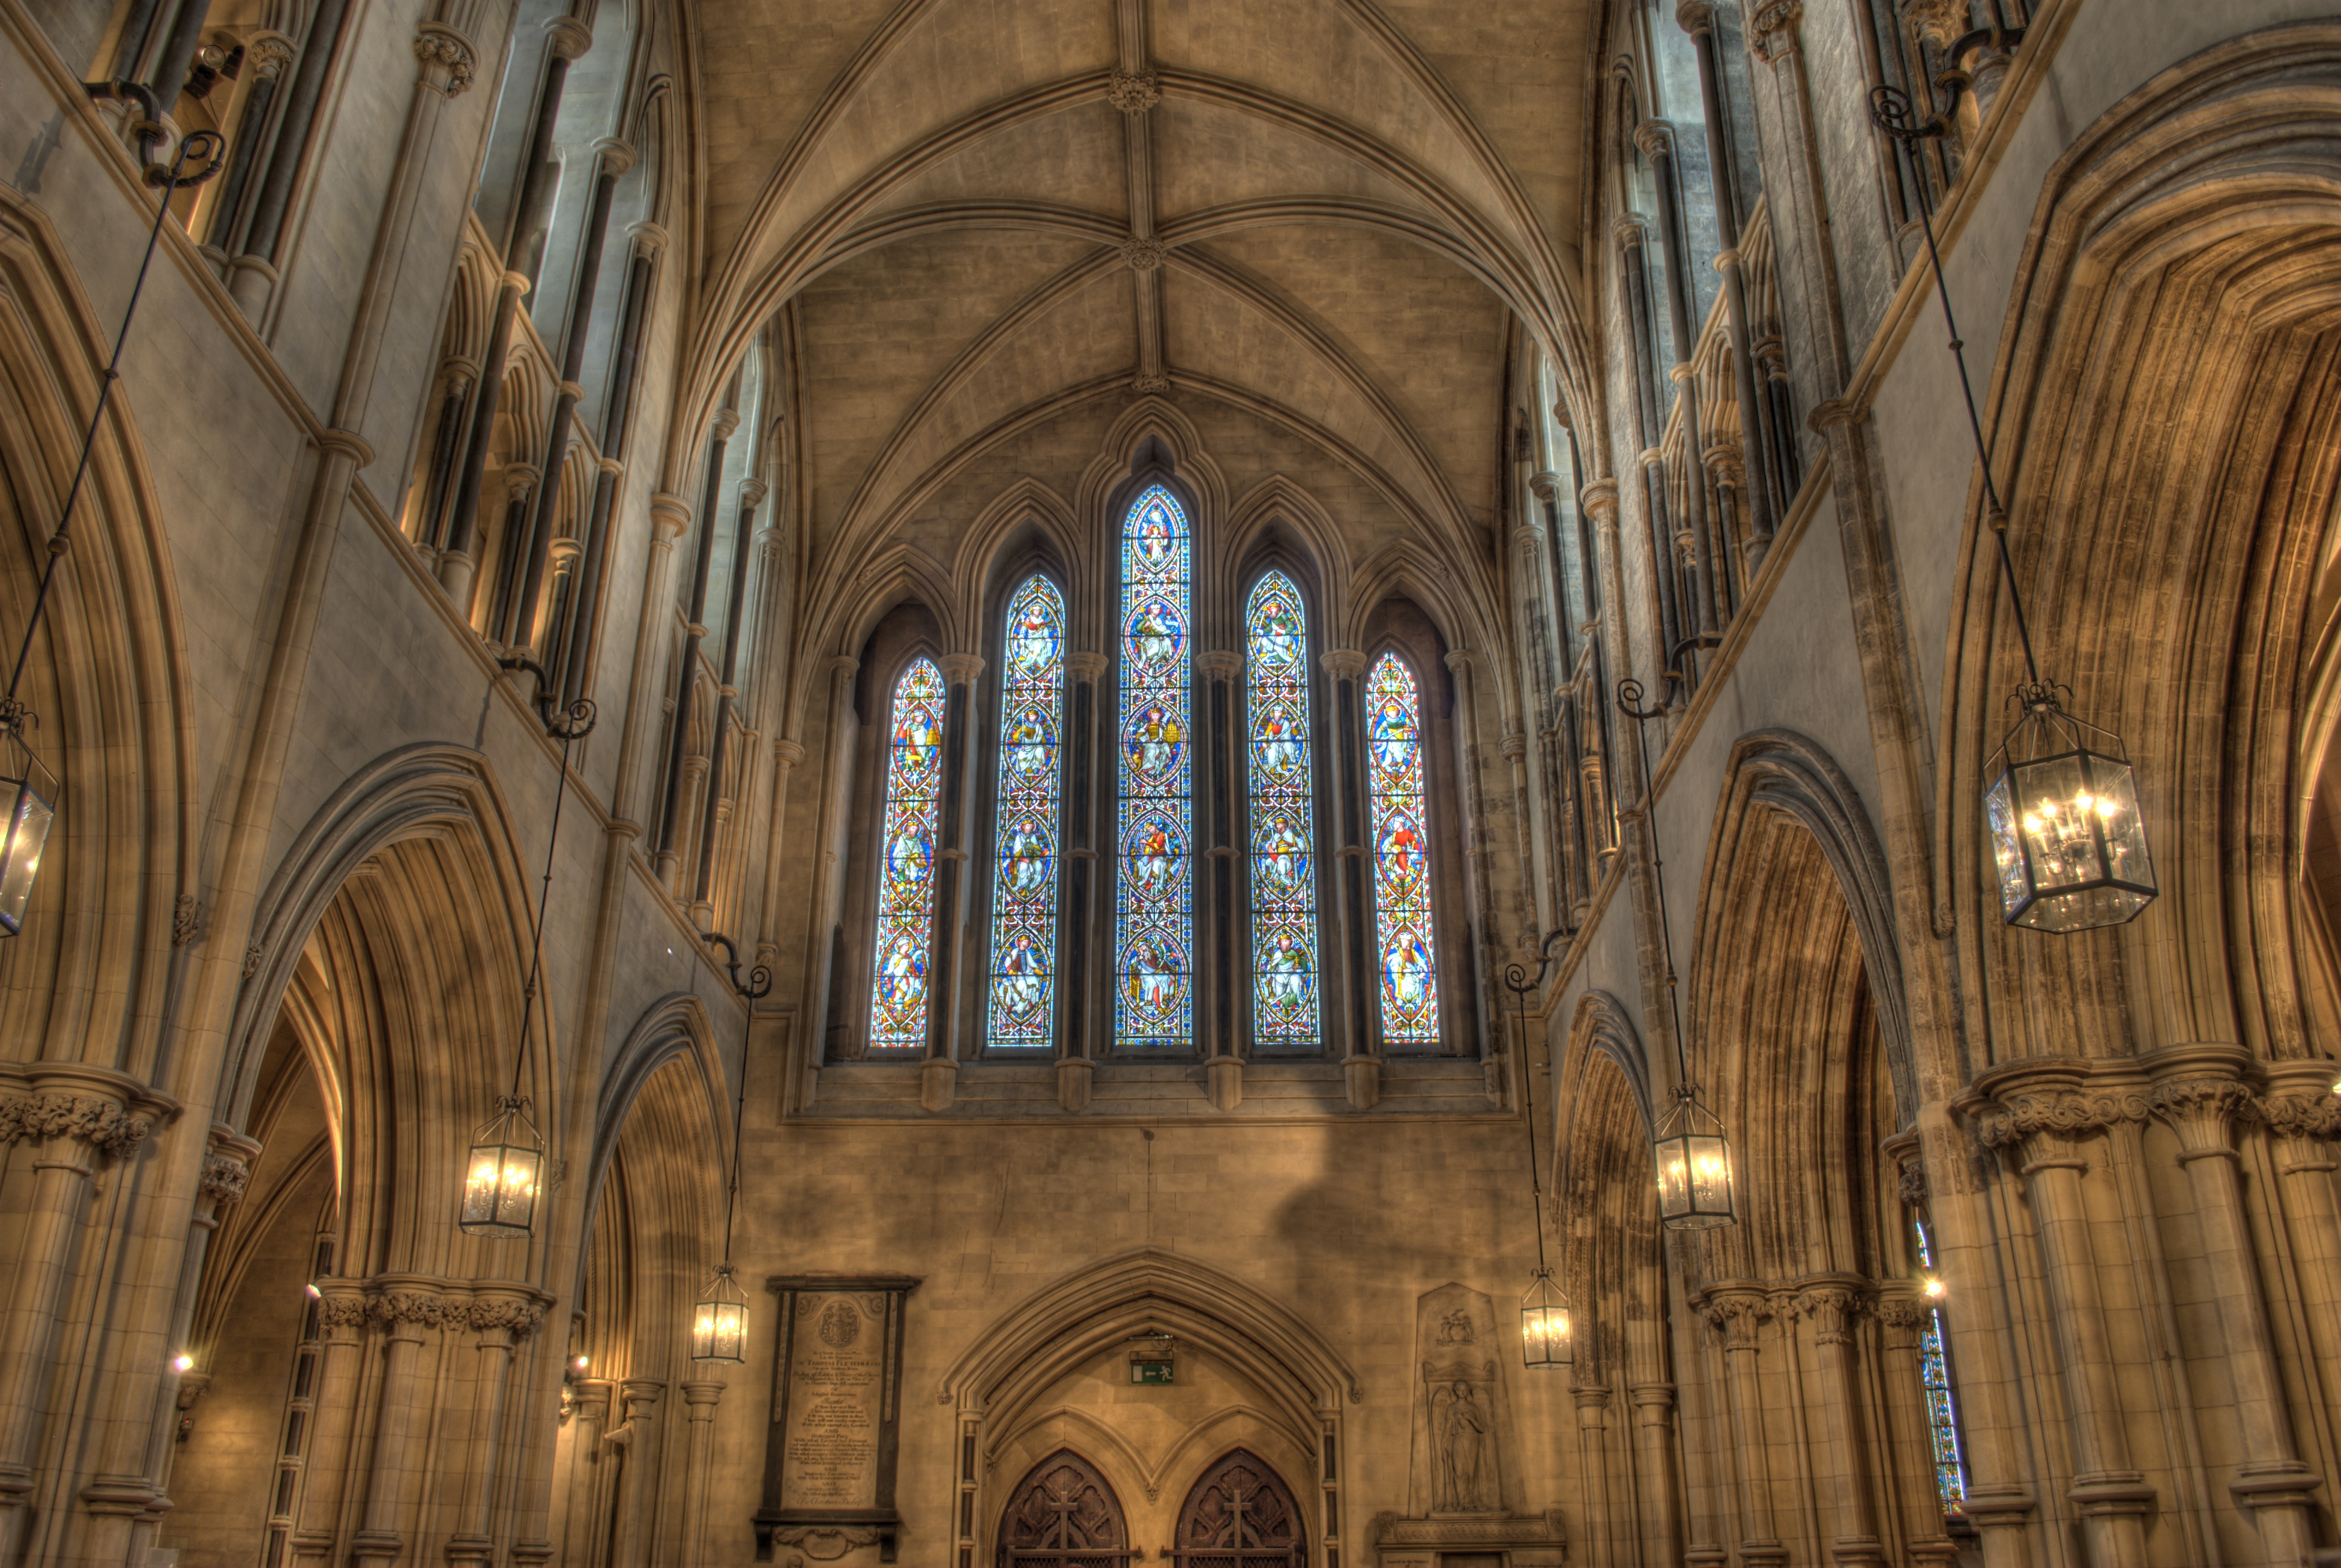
column 1942, row 1412
column 1399, row 807
column 1153, row 908
column 906, row 871
column 1283, row 856
column 1024, row 896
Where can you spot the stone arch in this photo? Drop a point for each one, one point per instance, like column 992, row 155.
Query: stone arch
column 2168, row 544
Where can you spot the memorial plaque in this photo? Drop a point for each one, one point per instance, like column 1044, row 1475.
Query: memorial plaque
column 837, row 1375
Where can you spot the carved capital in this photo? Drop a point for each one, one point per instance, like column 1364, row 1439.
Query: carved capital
column 2297, row 1115
column 2041, row 1111
column 446, row 57
column 504, row 1315
column 2198, row 1109
column 1909, row 1164
column 1832, row 1309
column 1738, row 1318
column 344, row 1309
column 224, row 1174
column 107, row 1126
column 1901, row 1315
column 1772, row 30
column 1133, row 93
column 395, row 1309
column 269, row 53
column 1656, row 138
column 1941, row 23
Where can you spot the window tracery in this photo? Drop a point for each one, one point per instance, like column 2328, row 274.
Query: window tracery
column 1154, row 903
column 1400, row 851
column 1024, row 894
column 1284, row 951
column 906, row 870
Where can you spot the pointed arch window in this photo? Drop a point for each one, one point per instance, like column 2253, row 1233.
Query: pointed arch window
column 1024, row 894
column 1406, row 945
column 1153, row 911
column 1284, row 953
column 906, row 867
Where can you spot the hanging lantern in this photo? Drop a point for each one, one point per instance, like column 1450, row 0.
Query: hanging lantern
column 507, row 1167
column 1545, row 1339
column 719, row 1323
column 2065, row 826
column 30, row 791
column 1694, row 1166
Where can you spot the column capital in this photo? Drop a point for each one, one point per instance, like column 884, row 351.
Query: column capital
column 1772, row 30
column 446, row 57
column 699, row 1396
column 1085, row 666
column 1629, row 230
column 960, row 669
column 641, row 1394
column 1460, row 662
column 1343, row 663
column 1900, row 1314
column 841, row 666
column 227, row 1165
column 2038, row 1109
column 1220, row 664
column 1695, row 16
column 1546, row 484
column 649, row 238
column 753, row 491
column 270, row 52
column 1736, row 1311
column 1514, row 746
column 2198, row 1090
column 1832, row 1302
column 670, row 515
column 567, row 38
column 1599, row 501
column 721, row 425
column 788, row 753
column 1909, row 1163
column 617, row 158
column 110, row 1112
column 520, row 479
column 1656, row 138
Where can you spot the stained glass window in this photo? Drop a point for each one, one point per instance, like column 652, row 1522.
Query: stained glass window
column 1283, row 844
column 906, row 870
column 1153, row 966
column 1401, row 851
column 1024, row 898
column 1942, row 1415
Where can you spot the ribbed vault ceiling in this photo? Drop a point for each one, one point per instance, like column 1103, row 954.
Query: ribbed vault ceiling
column 1324, row 212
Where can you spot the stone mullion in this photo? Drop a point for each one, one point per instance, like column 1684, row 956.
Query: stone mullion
column 1833, row 1308
column 1633, row 233
column 1756, row 436
column 1656, row 140
column 1361, row 1064
column 1223, row 1045
column 1079, row 926
column 946, row 1019
column 2199, row 1100
column 2031, row 1112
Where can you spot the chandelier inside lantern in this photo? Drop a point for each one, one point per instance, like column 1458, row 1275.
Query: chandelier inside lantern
column 1694, row 1161
column 2067, row 839
column 1544, row 1323
column 719, row 1323
column 30, row 791
column 505, row 1169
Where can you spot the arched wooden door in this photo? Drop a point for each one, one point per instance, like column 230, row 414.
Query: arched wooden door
column 1241, row 1514
column 1064, row 1516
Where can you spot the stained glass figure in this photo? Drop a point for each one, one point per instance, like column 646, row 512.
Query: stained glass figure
column 906, row 871
column 1942, row 1414
column 1024, row 896
column 1283, row 839
column 1401, row 852
column 1153, row 912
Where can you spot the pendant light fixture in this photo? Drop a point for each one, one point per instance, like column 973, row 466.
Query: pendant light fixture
column 719, row 1322
column 505, row 1172
column 2067, row 840
column 1689, row 1148
column 28, row 786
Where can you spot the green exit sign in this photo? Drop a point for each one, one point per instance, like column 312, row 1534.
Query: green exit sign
column 1151, row 1371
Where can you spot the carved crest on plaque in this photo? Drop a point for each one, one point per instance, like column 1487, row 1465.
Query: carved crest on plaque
column 841, row 1325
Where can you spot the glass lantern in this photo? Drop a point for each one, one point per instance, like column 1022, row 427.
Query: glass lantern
column 1694, row 1161
column 31, row 790
column 1544, row 1323
column 2067, row 841
column 505, row 1172
column 719, row 1323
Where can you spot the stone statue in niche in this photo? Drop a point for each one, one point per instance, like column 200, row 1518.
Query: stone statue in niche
column 1464, row 1471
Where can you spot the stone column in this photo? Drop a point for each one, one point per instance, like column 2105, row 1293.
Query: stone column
column 342, row 1318
column 1738, row 1314
column 1654, row 1446
column 2036, row 1113
column 1656, row 138
column 267, row 52
column 252, row 277
column 1075, row 1063
column 1632, row 231
column 503, row 1318
column 786, row 755
column 1478, row 843
column 1600, row 501
column 828, row 884
column 1221, row 1024
column 698, row 1400
column 686, row 669
column 1599, row 1533
column 718, row 805
column 638, row 1487
column 2303, row 1119
column 1353, row 920
column 1902, row 1318
column 78, row 1119
column 2199, row 1091
column 1774, row 31
column 589, row 1413
column 407, row 1307
column 1832, row 1302
column 947, row 1019
column 520, row 482
column 458, row 375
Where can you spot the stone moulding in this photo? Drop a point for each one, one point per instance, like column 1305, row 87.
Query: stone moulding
column 109, row 1111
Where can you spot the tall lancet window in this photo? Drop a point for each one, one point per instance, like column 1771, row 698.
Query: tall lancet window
column 1153, row 911
column 1942, row 1411
column 1401, row 852
column 1283, row 839
column 1024, row 898
column 906, row 869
